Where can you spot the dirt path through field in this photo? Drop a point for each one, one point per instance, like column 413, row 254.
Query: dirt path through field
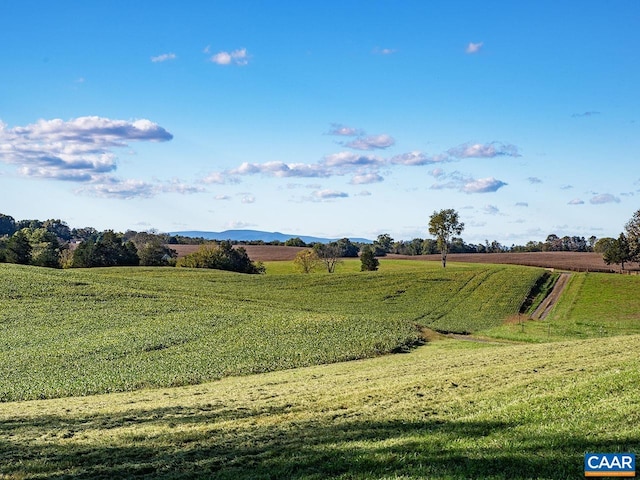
column 548, row 303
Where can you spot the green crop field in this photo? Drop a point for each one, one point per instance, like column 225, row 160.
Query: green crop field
column 80, row 332
column 525, row 400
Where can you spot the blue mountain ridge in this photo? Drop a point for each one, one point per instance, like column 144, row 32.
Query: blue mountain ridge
column 255, row 235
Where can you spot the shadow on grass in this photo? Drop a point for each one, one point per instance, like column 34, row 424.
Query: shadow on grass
column 191, row 443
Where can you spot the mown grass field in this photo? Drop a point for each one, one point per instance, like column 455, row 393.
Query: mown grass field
column 79, row 332
column 450, row 409
column 454, row 410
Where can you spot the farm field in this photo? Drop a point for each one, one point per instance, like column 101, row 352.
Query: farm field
column 260, row 387
column 449, row 410
column 575, row 261
column 79, row 332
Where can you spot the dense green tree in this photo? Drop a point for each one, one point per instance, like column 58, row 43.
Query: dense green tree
column 7, row 225
column 295, row 242
column 368, row 261
column 59, row 228
column 222, row 257
column 347, row 248
column 152, row 249
column 108, row 250
column 632, row 229
column 618, row 252
column 18, row 249
column 382, row 245
column 45, row 246
column 444, row 225
column 603, row 244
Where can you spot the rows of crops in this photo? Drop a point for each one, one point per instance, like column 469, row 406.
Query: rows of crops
column 67, row 333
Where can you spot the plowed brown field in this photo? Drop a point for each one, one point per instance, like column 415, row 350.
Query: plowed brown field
column 574, row 261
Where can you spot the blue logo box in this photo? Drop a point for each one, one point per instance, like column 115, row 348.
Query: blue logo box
column 609, row 465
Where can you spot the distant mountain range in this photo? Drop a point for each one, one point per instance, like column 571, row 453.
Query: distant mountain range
column 256, row 235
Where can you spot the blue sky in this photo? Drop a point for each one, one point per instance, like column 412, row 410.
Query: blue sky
column 349, row 118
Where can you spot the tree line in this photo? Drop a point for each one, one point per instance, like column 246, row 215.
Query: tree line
column 52, row 243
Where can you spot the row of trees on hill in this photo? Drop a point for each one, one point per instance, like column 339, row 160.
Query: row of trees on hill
column 53, row 244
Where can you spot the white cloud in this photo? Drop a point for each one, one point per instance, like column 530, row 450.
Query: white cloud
column 237, row 57
column 164, row 57
column 279, row 169
column 351, row 159
column 79, row 150
column 329, row 194
column 222, row 197
column 483, row 150
column 522, row 204
column 364, row 193
column 483, row 185
column 604, row 198
column 576, row 201
column 474, row 47
column 534, row 180
column 247, row 198
column 344, row 131
column 417, row 158
column 122, row 189
column 373, row 142
column 366, row 178
column 216, row 177
column 437, row 172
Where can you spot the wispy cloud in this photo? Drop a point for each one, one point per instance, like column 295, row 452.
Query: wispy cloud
column 247, row 198
column 522, row 204
column 343, row 130
column 384, row 51
column 604, row 198
column 373, row 142
column 125, row 189
column 417, row 158
column 484, row 150
column 236, row 57
column 585, row 114
column 278, row 169
column 491, row 210
column 474, row 47
column 576, row 201
column 222, row 197
column 534, row 180
column 329, row 194
column 165, row 57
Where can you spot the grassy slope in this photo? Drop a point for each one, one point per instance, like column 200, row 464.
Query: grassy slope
column 447, row 410
column 91, row 331
column 593, row 305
